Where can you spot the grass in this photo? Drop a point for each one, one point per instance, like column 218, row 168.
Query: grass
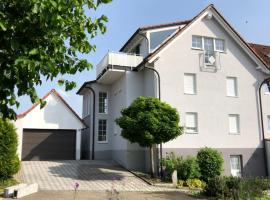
column 6, row 183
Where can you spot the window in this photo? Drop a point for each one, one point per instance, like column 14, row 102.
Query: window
column 191, row 122
column 158, row 37
column 268, row 123
column 236, row 165
column 102, row 130
column 190, row 84
column 209, row 54
column 219, row 45
column 86, row 105
column 266, row 88
column 196, row 42
column 103, row 102
column 232, row 87
column 234, row 124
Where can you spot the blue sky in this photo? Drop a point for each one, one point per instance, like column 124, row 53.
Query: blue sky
column 250, row 18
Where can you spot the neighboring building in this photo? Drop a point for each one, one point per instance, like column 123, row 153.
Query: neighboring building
column 207, row 71
column 50, row 133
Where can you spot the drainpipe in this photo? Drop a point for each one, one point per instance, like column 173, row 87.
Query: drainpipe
column 266, row 81
column 159, row 96
column 94, row 120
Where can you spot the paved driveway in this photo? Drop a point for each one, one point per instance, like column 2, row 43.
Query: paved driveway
column 91, row 175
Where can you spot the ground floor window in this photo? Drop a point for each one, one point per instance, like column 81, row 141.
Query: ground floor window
column 102, row 130
column 236, row 165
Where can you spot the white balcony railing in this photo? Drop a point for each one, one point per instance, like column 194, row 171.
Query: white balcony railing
column 118, row 59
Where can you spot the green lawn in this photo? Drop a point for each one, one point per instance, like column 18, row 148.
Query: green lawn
column 6, row 183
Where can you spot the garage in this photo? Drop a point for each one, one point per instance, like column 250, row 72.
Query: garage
column 51, row 132
column 51, row 144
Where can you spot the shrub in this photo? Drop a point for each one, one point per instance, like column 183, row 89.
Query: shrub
column 188, row 169
column 9, row 161
column 194, row 183
column 210, row 163
column 236, row 188
column 171, row 162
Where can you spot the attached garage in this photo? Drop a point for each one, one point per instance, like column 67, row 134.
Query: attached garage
column 49, row 133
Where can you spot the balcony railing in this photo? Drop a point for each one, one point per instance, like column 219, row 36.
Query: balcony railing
column 118, row 59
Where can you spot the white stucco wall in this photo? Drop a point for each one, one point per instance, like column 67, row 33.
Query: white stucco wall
column 55, row 115
column 211, row 102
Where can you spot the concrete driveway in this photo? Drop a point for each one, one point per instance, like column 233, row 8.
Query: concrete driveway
column 91, row 175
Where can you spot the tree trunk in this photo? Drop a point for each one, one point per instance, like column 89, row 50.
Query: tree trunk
column 152, row 165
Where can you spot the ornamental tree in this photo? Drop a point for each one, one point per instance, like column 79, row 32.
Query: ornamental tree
column 42, row 38
column 148, row 121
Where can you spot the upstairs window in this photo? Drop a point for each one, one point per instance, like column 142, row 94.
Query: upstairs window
column 191, row 122
column 102, row 130
column 219, row 45
column 103, row 102
column 196, row 42
column 190, row 84
column 234, row 124
column 209, row 50
column 232, row 87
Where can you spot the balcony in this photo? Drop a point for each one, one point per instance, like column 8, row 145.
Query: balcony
column 113, row 65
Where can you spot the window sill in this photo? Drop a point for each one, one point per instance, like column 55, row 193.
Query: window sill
column 233, row 96
column 234, row 133
column 102, row 113
column 194, row 48
column 102, row 142
column 190, row 93
column 191, row 133
column 267, row 93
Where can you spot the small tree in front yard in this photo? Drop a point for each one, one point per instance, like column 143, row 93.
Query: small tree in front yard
column 148, row 121
column 9, row 161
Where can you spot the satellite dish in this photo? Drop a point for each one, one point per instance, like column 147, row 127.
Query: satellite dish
column 212, row 60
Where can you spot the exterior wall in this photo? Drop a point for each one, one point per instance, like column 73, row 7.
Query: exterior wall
column 48, row 118
column 211, row 102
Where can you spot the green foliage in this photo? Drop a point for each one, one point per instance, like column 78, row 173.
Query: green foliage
column 148, row 121
column 181, row 183
column 188, row 169
column 4, row 183
column 171, row 162
column 9, row 161
column 210, row 163
column 237, row 188
column 194, row 183
column 43, row 39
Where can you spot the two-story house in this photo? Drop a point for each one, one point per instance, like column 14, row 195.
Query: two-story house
column 202, row 67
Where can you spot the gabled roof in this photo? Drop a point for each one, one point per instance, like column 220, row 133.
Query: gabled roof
column 85, row 84
column 151, row 27
column 53, row 91
column 180, row 31
column 263, row 51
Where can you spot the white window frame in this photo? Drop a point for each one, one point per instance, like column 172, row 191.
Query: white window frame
column 268, row 123
column 214, row 41
column 106, row 133
column 194, row 84
column 106, row 103
column 197, row 36
column 266, row 89
column 240, row 163
column 237, row 116
column 188, row 131
column 235, row 86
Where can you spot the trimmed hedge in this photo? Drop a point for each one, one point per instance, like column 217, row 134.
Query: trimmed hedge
column 210, row 163
column 9, row 161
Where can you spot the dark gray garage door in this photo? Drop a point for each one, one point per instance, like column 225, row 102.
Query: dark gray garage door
column 40, row 144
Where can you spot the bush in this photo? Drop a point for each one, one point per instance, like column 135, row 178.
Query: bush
column 194, row 183
column 210, row 163
column 188, row 169
column 171, row 162
column 236, row 188
column 181, row 183
column 9, row 161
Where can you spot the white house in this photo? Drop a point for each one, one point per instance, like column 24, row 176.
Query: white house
column 207, row 71
column 50, row 133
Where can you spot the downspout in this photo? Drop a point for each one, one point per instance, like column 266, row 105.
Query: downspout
column 94, row 120
column 159, row 96
column 266, row 81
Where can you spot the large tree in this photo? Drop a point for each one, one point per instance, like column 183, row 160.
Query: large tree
column 148, row 121
column 42, row 38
